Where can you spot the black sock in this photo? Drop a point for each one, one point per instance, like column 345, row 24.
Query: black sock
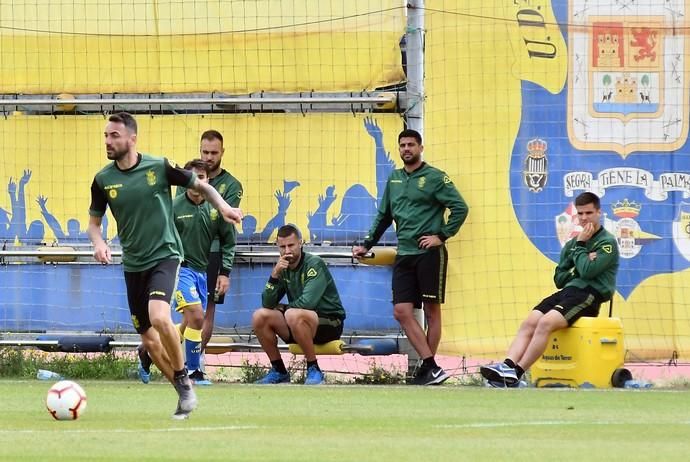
column 428, row 363
column 180, row 374
column 519, row 371
column 279, row 366
column 509, row 362
column 314, row 363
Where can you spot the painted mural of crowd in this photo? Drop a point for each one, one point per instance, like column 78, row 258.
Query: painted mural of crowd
column 14, row 226
column 358, row 207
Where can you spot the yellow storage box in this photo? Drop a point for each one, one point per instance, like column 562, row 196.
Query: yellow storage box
column 585, row 355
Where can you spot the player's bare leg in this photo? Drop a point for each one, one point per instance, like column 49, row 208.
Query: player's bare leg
column 432, row 313
column 152, row 343
column 159, row 313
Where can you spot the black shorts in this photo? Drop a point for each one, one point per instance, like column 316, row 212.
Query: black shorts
column 215, row 259
column 419, row 278
column 157, row 283
column 329, row 329
column 573, row 303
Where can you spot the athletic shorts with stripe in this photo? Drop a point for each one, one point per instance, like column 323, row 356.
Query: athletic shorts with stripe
column 418, row 278
column 191, row 289
column 573, row 303
column 156, row 283
column 329, row 329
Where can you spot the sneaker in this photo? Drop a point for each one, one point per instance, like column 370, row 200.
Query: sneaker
column 187, row 401
column 199, row 378
column 502, row 384
column 180, row 414
column 273, row 377
column 500, row 372
column 433, row 376
column 144, row 367
column 314, row 376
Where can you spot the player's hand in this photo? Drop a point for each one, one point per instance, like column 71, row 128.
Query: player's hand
column 427, row 242
column 231, row 214
column 222, row 284
column 359, row 251
column 283, row 262
column 102, row 254
column 586, row 233
column 592, row 256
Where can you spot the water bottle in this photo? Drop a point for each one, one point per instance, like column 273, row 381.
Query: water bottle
column 637, row 384
column 43, row 374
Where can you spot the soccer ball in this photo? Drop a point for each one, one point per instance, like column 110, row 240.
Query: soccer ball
column 66, row 400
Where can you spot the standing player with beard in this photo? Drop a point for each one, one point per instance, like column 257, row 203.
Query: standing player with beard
column 136, row 187
column 416, row 198
column 230, row 189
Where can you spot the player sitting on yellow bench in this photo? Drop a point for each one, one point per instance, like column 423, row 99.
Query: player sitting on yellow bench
column 314, row 313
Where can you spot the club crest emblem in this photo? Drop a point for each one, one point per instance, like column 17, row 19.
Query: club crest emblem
column 151, row 177
column 626, row 88
column 535, row 169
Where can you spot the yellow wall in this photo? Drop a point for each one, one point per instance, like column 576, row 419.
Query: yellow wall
column 201, row 46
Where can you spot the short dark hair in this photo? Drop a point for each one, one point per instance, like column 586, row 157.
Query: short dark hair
column 211, row 135
column 588, row 198
column 409, row 133
column 288, row 230
column 126, row 119
column 199, row 165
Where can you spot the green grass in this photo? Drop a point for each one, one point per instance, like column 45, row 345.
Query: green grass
column 129, row 421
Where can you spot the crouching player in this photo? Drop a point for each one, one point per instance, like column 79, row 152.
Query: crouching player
column 198, row 224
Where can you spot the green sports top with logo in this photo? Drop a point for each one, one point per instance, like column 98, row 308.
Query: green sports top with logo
column 309, row 286
column 417, row 202
column 230, row 190
column 141, row 202
column 576, row 268
column 198, row 226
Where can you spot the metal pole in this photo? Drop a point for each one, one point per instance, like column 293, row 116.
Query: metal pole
column 380, row 99
column 414, row 116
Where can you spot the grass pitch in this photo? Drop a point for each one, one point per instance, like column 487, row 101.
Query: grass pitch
column 128, row 421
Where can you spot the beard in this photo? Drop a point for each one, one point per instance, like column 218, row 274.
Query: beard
column 116, row 154
column 410, row 160
column 214, row 166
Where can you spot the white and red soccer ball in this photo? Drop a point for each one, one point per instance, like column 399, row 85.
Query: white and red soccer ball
column 66, row 400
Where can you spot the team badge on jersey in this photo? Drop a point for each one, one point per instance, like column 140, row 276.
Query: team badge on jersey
column 151, row 177
column 311, row 273
column 112, row 193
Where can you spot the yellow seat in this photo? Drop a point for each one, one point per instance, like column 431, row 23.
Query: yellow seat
column 584, row 355
column 334, row 347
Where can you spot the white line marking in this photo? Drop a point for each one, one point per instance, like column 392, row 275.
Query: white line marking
column 138, row 430
column 549, row 422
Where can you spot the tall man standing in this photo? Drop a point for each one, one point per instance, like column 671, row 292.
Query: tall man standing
column 416, row 198
column 230, row 189
column 136, row 187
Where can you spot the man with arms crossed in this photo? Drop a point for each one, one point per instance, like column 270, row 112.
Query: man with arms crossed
column 416, row 198
column 313, row 315
column 136, row 187
column 586, row 275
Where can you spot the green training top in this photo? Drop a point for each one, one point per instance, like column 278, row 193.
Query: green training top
column 198, row 226
column 141, row 203
column 229, row 188
column 309, row 286
column 576, row 269
column 417, row 202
